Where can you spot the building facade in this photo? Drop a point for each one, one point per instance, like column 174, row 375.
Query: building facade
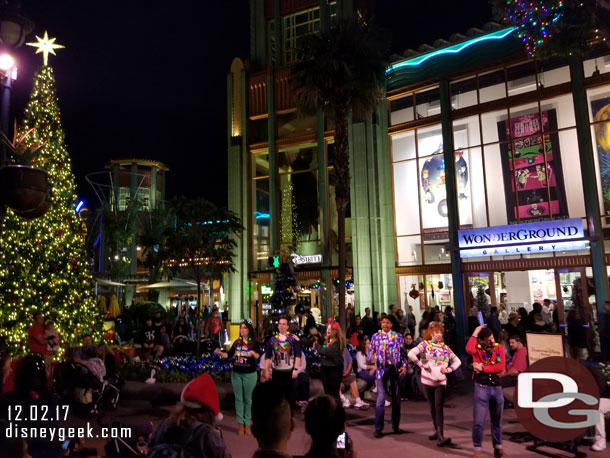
column 482, row 179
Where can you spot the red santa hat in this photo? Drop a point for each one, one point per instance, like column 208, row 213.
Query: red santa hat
column 201, row 392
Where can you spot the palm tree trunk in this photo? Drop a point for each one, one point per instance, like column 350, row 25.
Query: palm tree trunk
column 341, row 197
column 198, row 333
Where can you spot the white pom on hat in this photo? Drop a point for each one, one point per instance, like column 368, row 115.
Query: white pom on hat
column 201, row 392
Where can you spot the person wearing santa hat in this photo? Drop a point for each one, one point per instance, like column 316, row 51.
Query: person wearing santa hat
column 191, row 428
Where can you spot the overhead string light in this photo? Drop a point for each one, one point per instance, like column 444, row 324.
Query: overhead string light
column 535, row 20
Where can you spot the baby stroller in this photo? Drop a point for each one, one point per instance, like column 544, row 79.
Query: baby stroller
column 92, row 387
column 133, row 446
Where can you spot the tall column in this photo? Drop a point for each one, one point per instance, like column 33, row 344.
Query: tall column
column 587, row 171
column 324, row 14
column 115, row 187
column 133, row 196
column 152, row 202
column 323, row 205
column 273, row 190
column 163, row 178
column 277, row 34
column 452, row 212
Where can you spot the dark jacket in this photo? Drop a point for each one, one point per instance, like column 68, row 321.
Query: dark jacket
column 494, row 324
column 204, row 442
column 332, row 355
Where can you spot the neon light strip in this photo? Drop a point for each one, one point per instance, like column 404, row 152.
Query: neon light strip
column 499, row 35
column 79, row 206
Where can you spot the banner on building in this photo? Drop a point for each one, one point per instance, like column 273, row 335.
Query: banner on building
column 533, row 177
column 601, row 112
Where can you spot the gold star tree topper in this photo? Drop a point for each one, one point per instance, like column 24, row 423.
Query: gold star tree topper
column 45, row 46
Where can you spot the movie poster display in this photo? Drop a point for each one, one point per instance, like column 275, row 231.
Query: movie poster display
column 601, row 112
column 432, row 181
column 533, row 184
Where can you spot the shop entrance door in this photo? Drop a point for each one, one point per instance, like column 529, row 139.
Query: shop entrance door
column 480, row 290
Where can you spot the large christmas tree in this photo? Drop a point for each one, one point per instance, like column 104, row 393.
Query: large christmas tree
column 43, row 262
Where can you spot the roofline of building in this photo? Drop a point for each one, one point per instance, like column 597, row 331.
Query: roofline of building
column 143, row 162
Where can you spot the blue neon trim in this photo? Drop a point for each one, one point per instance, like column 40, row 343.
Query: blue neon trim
column 499, row 35
column 79, row 206
column 260, row 215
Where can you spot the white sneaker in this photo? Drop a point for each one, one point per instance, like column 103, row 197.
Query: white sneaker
column 374, row 390
column 346, row 403
column 599, row 445
column 388, row 403
column 358, row 404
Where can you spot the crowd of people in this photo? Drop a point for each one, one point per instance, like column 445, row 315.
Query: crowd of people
column 390, row 361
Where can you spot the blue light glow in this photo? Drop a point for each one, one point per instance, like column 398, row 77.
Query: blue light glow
column 260, row 215
column 79, row 206
column 499, row 35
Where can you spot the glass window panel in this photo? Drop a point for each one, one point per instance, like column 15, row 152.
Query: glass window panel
column 427, row 103
column 260, row 215
column 600, row 133
column 550, row 74
column 406, row 211
column 294, row 160
column 490, row 123
column 259, row 164
column 521, row 78
column 260, row 257
column 564, row 112
column 402, row 110
column 492, row 86
column 410, row 294
column 433, row 193
column 403, row 146
column 466, row 132
column 429, row 140
column 572, row 178
column 409, row 250
column 437, row 252
column 299, row 207
column 601, row 64
column 464, row 93
column 497, row 183
column 470, row 182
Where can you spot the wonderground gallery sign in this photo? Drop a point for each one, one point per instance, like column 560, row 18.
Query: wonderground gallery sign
column 527, row 238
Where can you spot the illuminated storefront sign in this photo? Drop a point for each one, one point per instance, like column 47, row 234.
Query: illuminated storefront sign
column 528, row 238
column 298, row 260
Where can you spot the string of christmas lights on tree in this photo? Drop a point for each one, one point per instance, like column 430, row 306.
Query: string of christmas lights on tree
column 535, row 20
column 43, row 262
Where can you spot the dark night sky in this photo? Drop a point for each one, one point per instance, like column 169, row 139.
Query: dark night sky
column 147, row 79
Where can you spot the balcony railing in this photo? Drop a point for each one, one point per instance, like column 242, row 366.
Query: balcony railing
column 257, row 93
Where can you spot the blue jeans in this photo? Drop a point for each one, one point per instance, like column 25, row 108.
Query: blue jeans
column 367, row 376
column 391, row 376
column 486, row 398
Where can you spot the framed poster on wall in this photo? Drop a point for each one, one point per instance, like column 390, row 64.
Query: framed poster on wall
column 600, row 109
column 432, row 181
column 533, row 175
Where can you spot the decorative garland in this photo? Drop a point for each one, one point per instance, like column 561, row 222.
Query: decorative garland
column 440, row 356
column 495, row 358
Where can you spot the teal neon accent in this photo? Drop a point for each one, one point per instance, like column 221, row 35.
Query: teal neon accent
column 499, row 35
column 276, row 261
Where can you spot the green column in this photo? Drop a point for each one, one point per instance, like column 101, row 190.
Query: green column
column 587, row 171
column 258, row 34
column 273, row 190
column 324, row 14
column 452, row 212
column 115, row 187
column 245, row 178
column 387, row 257
column 163, row 188
column 153, row 189
column 323, row 206
column 277, row 33
column 133, row 195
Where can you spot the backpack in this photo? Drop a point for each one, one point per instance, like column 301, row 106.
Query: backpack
column 173, row 450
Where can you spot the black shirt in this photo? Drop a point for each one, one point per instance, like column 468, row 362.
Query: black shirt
column 243, row 364
column 150, row 334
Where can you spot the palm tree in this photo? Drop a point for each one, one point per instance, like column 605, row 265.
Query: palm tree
column 341, row 71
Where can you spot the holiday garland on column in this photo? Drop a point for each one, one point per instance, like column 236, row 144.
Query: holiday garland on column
column 43, row 262
column 551, row 28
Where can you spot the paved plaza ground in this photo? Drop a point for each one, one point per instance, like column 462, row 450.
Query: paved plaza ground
column 415, row 421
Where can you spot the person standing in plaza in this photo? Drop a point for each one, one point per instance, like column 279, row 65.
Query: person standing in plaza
column 284, row 350
column 411, row 321
column 489, row 361
column 368, row 324
column 386, row 347
column 436, row 360
column 331, row 358
column 243, row 377
column 214, row 326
